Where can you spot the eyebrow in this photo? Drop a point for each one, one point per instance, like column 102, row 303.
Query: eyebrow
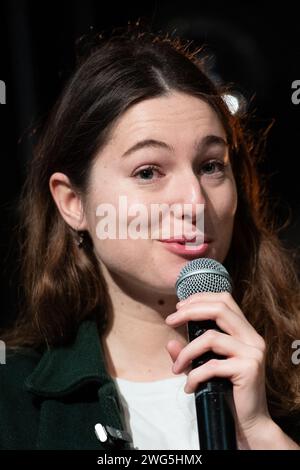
column 206, row 141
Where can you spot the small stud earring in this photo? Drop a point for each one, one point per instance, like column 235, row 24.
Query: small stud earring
column 80, row 239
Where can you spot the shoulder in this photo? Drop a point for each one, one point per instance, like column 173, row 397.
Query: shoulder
column 18, row 410
column 18, row 365
column 20, row 357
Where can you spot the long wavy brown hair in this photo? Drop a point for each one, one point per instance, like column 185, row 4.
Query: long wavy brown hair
column 62, row 284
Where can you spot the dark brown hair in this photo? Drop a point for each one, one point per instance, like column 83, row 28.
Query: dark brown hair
column 63, row 284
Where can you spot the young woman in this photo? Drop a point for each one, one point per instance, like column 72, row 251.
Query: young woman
column 95, row 343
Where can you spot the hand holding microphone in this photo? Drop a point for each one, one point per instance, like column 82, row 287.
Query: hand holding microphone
column 226, row 354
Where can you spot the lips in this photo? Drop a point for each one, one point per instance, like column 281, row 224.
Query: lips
column 177, row 240
column 182, row 247
column 183, row 240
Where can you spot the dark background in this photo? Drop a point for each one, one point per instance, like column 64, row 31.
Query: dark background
column 255, row 46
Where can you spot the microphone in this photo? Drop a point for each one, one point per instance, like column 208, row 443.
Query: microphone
column 214, row 399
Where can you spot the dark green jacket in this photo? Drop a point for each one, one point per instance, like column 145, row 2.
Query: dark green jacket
column 54, row 400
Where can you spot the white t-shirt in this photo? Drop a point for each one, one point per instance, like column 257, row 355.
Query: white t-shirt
column 159, row 414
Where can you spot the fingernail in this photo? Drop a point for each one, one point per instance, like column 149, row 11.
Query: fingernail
column 182, row 302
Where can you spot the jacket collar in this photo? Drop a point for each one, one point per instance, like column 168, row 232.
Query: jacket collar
column 62, row 370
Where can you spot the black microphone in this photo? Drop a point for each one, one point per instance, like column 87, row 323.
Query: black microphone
column 214, row 399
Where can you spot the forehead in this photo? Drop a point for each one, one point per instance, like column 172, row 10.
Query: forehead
column 176, row 116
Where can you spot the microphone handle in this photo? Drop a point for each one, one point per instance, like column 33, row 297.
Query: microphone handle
column 214, row 400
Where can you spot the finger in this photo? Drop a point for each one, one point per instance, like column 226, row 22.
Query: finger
column 227, row 320
column 225, row 297
column 219, row 343
column 237, row 370
column 209, row 370
column 174, row 347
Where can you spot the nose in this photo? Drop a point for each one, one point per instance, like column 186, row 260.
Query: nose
column 188, row 189
column 190, row 195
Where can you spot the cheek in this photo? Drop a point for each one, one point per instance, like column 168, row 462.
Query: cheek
column 120, row 255
column 225, row 202
column 109, row 220
column 119, row 207
column 220, row 217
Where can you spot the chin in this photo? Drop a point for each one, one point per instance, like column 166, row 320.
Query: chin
column 167, row 286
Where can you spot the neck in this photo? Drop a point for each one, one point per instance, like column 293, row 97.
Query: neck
column 136, row 336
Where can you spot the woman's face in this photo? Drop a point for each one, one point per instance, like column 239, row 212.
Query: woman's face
column 186, row 167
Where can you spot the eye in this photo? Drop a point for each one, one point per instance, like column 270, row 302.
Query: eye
column 146, row 173
column 213, row 167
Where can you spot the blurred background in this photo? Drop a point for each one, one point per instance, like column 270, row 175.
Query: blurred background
column 255, row 48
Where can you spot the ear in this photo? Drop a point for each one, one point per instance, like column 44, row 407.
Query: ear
column 68, row 201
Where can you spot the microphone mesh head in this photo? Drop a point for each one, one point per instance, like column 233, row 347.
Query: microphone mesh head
column 202, row 275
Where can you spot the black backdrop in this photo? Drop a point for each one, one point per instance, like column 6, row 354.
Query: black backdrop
column 255, row 46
